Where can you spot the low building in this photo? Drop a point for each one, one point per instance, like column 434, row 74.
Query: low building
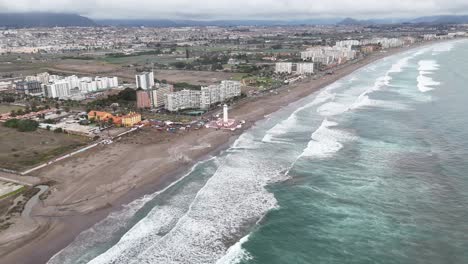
column 131, row 119
column 128, row 120
column 99, row 116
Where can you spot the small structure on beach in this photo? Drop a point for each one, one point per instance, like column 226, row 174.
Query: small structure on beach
column 225, row 122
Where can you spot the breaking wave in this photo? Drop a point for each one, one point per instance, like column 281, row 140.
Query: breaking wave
column 326, row 141
column 171, row 234
column 425, row 82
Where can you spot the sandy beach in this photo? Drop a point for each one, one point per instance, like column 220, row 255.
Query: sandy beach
column 91, row 185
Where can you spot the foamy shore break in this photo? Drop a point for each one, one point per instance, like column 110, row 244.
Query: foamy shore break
column 106, row 179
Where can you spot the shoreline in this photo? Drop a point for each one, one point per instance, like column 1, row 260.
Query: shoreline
column 71, row 216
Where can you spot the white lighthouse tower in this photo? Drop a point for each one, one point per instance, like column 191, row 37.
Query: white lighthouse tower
column 225, row 114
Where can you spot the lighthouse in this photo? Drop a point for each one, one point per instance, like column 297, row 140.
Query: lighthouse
column 225, row 114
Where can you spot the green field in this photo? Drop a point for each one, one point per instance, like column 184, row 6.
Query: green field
column 4, row 108
column 142, row 59
column 20, row 150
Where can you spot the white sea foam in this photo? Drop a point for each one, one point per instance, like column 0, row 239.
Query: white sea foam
column 274, row 134
column 442, row 47
column 245, row 141
column 422, row 51
column 398, row 67
column 428, row 65
column 235, row 191
column 326, row 141
column 425, row 82
column 236, row 253
column 104, row 230
column 99, row 233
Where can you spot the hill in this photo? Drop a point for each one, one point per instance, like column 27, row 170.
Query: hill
column 441, row 20
column 21, row 20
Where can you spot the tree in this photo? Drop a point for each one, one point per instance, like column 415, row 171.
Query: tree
column 9, row 99
column 25, row 125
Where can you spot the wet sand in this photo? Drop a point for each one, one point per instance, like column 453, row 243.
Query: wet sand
column 93, row 184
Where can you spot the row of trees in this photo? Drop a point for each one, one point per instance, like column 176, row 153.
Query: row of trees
column 22, row 125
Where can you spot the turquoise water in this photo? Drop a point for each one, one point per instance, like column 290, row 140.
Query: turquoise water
column 372, row 169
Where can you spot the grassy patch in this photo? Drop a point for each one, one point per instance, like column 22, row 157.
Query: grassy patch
column 5, row 108
column 33, row 148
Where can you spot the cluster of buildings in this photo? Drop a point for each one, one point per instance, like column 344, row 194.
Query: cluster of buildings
column 341, row 52
column 203, row 98
column 328, row 55
column 69, row 87
column 156, row 95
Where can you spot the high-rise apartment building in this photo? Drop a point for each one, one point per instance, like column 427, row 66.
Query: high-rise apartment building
column 145, row 80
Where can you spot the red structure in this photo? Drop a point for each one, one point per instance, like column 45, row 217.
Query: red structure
column 143, row 99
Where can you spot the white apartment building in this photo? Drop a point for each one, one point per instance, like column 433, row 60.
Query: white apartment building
column 347, row 43
column 283, row 67
column 305, row 68
column 328, row 55
column 59, row 89
column 204, row 98
column 230, row 89
column 158, row 95
column 184, row 99
column 145, row 80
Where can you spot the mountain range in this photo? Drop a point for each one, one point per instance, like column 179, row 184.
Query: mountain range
column 19, row 20
column 25, row 20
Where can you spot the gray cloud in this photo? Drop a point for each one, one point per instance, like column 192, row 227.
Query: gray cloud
column 236, row 9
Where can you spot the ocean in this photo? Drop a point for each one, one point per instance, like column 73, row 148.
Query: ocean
column 371, row 169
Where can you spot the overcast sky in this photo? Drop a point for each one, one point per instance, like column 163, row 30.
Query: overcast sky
column 240, row 9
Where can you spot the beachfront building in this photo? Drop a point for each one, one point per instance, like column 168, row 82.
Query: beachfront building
column 185, row 99
column 145, row 80
column 158, row 95
column 347, row 43
column 205, row 98
column 143, row 99
column 305, row 68
column 283, row 67
column 328, row 55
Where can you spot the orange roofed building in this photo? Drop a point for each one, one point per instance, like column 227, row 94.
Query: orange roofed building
column 131, row 119
column 126, row 120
